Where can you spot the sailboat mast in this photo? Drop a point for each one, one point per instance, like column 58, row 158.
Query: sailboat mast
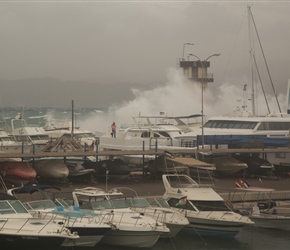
column 251, row 64
column 72, row 119
column 252, row 18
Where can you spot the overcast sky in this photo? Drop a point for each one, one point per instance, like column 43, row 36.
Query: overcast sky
column 138, row 41
column 131, row 41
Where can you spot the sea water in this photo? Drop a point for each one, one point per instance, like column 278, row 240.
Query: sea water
column 249, row 237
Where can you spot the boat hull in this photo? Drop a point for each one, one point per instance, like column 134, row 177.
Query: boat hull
column 29, row 241
column 209, row 228
column 89, row 237
column 17, row 172
column 130, row 238
column 271, row 222
column 51, row 168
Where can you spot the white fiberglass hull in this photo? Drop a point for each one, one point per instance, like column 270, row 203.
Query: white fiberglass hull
column 271, row 221
column 219, row 226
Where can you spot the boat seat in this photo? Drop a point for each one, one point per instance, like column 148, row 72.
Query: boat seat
column 76, row 208
column 59, row 208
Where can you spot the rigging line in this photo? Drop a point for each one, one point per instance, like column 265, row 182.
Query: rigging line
column 261, row 83
column 233, row 48
column 265, row 60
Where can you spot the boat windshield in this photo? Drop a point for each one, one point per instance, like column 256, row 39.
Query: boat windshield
column 100, row 205
column 157, row 202
column 12, row 207
column 119, row 203
column 140, row 202
column 41, row 204
column 199, row 206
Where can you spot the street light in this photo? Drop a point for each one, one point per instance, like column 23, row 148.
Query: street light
column 183, row 49
column 202, row 73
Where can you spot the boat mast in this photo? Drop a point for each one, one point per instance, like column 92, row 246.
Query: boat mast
column 252, row 18
column 251, row 63
column 72, row 119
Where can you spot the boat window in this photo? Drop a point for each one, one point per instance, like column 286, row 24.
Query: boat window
column 165, row 134
column 274, row 126
column 104, row 204
column 231, row 124
column 62, row 203
column 140, row 203
column 119, row 203
column 158, row 202
column 18, row 207
column 156, row 135
column 173, row 202
column 208, row 124
column 145, row 134
column 43, row 204
column 5, row 208
column 210, row 205
column 22, row 138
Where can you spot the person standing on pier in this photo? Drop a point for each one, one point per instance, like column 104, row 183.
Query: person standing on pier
column 114, row 127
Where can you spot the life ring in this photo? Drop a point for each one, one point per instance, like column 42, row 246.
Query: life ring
column 229, row 203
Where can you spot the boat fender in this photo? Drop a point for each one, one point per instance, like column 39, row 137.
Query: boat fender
column 229, row 203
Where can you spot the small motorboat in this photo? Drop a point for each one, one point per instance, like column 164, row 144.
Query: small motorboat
column 129, row 229
column 206, row 210
column 19, row 230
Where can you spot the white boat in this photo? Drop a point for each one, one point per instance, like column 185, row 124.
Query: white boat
column 91, row 227
column 19, row 230
column 204, row 208
column 269, row 220
column 24, row 133
column 57, row 130
column 158, row 209
column 144, row 136
column 130, row 229
column 8, row 144
column 156, row 133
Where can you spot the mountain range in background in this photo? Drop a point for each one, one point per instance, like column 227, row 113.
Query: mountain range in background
column 49, row 92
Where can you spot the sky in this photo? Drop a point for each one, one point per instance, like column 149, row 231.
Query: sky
column 140, row 42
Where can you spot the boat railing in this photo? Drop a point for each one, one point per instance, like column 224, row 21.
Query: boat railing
column 119, row 218
column 26, row 225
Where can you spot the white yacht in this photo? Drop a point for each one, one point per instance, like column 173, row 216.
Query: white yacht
column 147, row 133
column 129, row 229
column 19, row 230
column 205, row 209
column 8, row 144
column 23, row 133
column 91, row 227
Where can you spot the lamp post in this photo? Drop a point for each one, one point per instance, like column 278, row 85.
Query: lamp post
column 183, row 49
column 202, row 73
